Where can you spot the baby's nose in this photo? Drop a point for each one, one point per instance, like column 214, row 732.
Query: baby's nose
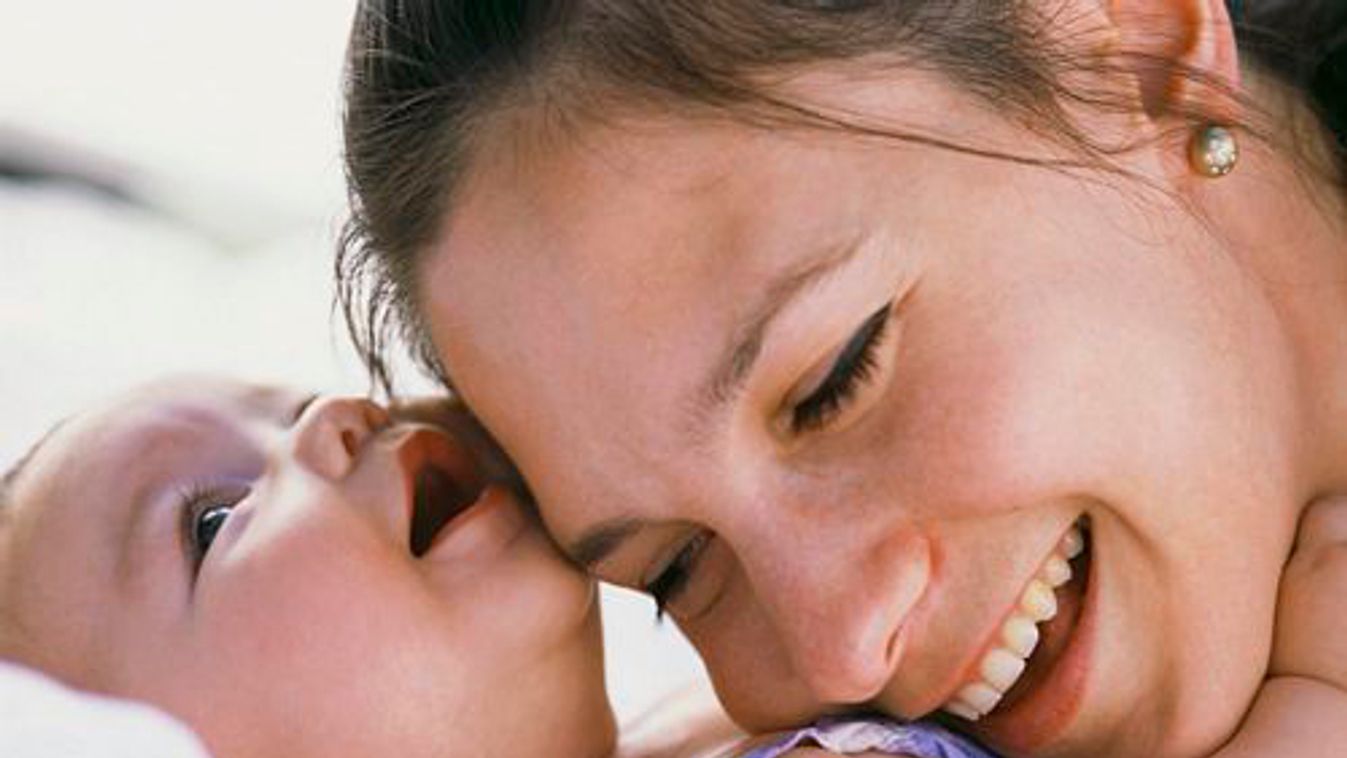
column 333, row 431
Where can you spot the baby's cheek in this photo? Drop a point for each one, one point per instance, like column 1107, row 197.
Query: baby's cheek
column 528, row 599
column 1311, row 633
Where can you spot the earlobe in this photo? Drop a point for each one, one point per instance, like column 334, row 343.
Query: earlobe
column 1183, row 55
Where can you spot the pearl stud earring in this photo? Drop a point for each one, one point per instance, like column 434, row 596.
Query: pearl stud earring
column 1213, row 151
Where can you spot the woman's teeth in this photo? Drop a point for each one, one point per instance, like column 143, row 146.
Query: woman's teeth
column 1002, row 666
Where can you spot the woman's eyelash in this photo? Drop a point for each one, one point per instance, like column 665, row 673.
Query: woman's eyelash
column 670, row 583
column 204, row 510
column 854, row 366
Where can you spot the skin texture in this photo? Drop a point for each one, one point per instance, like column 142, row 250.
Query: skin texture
column 1311, row 615
column 310, row 629
column 1057, row 347
column 1302, row 708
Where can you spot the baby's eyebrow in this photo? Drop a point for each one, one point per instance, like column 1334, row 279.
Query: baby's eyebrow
column 143, row 517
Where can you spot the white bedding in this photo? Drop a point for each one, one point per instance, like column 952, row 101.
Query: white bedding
column 43, row 719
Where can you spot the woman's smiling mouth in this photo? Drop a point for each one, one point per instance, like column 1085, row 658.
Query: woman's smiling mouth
column 1032, row 639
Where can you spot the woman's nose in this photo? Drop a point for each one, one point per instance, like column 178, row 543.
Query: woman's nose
column 841, row 614
column 332, row 431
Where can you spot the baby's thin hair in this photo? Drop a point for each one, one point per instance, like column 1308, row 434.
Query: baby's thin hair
column 7, row 485
column 11, row 476
column 14, row 635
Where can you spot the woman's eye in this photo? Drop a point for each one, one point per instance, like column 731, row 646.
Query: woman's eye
column 670, row 582
column 205, row 511
column 854, row 365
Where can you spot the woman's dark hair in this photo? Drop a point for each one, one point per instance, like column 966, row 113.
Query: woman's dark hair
column 426, row 78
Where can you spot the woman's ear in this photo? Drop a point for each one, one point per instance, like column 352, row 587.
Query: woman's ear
column 1182, row 53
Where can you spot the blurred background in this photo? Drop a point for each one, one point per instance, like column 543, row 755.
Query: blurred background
column 170, row 196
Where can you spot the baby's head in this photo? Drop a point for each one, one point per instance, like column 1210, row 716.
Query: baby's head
column 295, row 576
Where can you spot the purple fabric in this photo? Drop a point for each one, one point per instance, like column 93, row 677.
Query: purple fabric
column 859, row 734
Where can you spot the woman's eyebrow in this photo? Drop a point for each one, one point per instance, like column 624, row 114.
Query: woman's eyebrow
column 744, row 347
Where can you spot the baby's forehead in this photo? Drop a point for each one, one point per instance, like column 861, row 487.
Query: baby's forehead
column 190, row 393
column 139, row 426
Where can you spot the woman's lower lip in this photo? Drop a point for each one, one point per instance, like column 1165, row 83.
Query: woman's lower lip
column 1040, row 716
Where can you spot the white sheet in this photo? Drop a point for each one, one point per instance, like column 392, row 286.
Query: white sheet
column 44, row 719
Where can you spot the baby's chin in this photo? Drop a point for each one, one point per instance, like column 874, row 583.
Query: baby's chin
column 554, row 599
column 565, row 709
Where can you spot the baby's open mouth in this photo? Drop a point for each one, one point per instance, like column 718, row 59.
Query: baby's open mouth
column 439, row 498
column 1033, row 637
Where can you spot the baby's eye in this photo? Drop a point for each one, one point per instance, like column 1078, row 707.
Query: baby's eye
column 208, row 524
column 205, row 511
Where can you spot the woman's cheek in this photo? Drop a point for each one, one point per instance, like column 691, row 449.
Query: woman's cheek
column 748, row 665
column 1033, row 396
column 985, row 426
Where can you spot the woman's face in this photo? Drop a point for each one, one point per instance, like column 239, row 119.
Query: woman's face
column 840, row 401
column 299, row 577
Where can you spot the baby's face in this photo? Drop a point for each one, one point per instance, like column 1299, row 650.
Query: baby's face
column 296, row 577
